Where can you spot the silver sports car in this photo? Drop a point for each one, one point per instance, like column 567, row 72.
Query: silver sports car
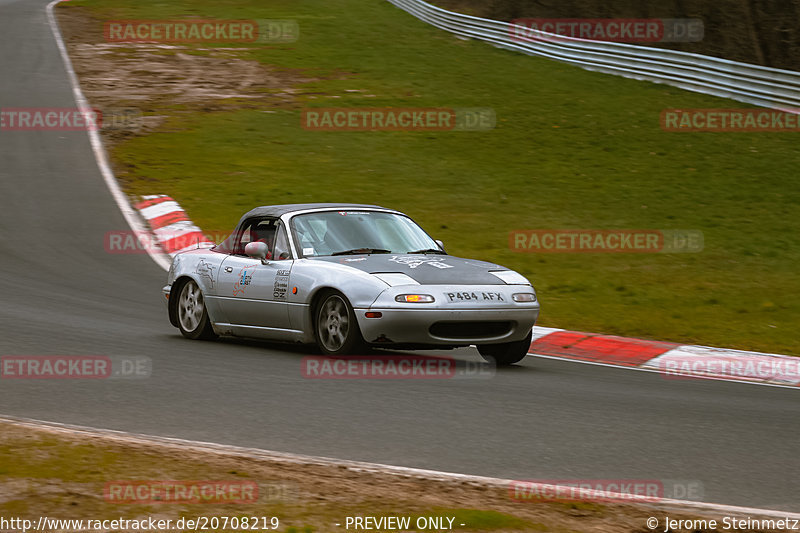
column 346, row 277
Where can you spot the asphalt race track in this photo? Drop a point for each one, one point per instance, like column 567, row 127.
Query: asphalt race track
column 63, row 294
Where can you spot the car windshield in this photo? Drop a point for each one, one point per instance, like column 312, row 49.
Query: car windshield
column 359, row 232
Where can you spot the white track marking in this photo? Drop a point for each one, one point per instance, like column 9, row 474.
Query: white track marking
column 359, row 466
column 125, row 207
column 656, row 371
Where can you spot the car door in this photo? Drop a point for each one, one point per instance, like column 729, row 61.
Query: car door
column 253, row 293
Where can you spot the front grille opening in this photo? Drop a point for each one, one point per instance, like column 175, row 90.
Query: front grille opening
column 470, row 330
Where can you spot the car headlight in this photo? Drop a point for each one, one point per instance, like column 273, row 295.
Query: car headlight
column 509, row 277
column 414, row 298
column 523, row 297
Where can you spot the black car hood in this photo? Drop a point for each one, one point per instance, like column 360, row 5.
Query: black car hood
column 429, row 269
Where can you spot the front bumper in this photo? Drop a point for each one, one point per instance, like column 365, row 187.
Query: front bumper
column 449, row 323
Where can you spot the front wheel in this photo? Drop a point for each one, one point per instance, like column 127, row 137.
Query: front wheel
column 506, row 353
column 336, row 329
column 193, row 318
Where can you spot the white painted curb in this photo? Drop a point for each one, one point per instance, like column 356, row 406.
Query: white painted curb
column 683, row 361
column 171, row 226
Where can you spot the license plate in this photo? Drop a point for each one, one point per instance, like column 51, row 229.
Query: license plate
column 474, row 296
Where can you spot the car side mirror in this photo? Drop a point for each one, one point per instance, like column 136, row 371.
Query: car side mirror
column 440, row 244
column 256, row 250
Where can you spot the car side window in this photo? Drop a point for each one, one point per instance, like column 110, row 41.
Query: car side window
column 257, row 229
column 281, row 250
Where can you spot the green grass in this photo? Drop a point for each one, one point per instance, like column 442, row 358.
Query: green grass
column 572, row 149
column 59, row 475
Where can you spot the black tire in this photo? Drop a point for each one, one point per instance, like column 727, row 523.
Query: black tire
column 506, row 353
column 191, row 312
column 335, row 326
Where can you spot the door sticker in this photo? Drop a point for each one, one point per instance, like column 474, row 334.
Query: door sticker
column 206, row 272
column 245, row 278
column 281, row 285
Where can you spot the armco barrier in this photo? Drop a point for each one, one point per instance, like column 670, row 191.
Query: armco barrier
column 762, row 86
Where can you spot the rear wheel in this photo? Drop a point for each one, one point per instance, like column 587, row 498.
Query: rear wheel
column 193, row 318
column 506, row 353
column 335, row 325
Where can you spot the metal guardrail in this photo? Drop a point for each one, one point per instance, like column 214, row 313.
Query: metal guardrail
column 753, row 84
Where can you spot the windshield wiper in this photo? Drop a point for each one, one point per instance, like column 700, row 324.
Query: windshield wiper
column 428, row 251
column 357, row 251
